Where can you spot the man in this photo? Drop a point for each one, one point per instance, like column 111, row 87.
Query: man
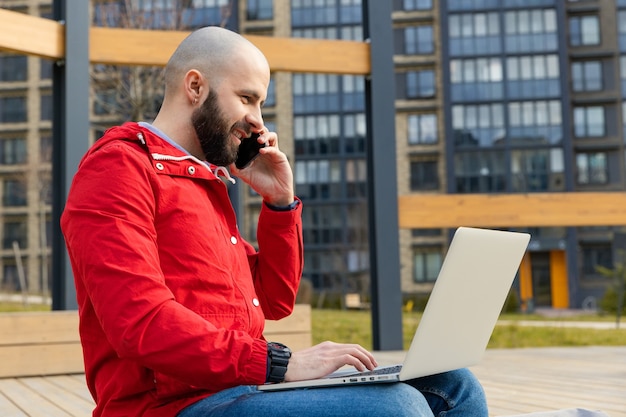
column 172, row 300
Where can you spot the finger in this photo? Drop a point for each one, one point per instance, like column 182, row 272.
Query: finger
column 270, row 139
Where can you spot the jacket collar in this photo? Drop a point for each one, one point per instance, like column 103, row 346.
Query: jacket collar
column 159, row 147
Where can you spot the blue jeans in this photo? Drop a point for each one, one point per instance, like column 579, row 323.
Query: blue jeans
column 451, row 394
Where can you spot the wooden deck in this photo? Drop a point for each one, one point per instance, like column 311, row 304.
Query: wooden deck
column 516, row 381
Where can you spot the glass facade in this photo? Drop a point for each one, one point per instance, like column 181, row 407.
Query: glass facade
column 329, row 132
column 505, row 97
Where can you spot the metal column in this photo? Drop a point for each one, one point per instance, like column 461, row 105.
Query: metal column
column 70, row 133
column 382, row 180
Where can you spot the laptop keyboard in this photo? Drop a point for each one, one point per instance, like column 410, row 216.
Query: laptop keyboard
column 385, row 370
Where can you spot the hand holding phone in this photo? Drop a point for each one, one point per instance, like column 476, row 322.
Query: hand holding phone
column 248, row 150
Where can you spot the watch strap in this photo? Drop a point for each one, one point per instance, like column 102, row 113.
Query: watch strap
column 278, row 356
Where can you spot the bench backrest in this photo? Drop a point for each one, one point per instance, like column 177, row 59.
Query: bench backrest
column 47, row 343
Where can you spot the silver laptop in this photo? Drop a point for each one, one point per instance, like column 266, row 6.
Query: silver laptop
column 461, row 313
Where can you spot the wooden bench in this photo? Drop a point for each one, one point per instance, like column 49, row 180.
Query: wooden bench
column 47, row 343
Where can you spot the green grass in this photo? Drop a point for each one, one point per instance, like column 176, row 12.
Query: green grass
column 355, row 327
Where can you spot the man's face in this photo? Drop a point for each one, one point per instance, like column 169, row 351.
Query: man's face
column 213, row 131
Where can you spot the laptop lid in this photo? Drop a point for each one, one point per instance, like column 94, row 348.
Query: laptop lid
column 466, row 301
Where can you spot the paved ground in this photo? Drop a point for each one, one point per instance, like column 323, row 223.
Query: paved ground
column 529, row 380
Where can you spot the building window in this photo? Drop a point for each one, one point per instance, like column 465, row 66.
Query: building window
column 536, row 170
column 418, row 40
column 624, row 120
column 13, row 151
column 621, row 29
column 426, row 263
column 309, row 13
column 15, row 230
column 14, row 194
column 594, row 255
column 13, row 68
column 260, row 10
column 354, row 132
column 317, row 134
column 478, row 125
column 270, row 100
column 474, row 4
column 316, row 93
column 584, row 30
column 45, row 106
column 424, row 175
column 417, row 4
column 533, row 76
column 45, row 69
column 480, row 172
column 587, row 76
column 356, row 178
column 530, row 30
column 476, row 79
column 589, row 121
column 323, row 224
column 420, row 84
column 13, row 109
column 318, row 179
column 422, row 128
column 353, row 93
column 622, row 62
column 592, row 168
column 474, row 34
column 45, row 147
column 535, row 122
column 45, row 188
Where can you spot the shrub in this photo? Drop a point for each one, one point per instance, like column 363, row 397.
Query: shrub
column 608, row 303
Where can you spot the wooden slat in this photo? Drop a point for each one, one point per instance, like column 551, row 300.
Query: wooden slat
column 38, row 327
column 131, row 46
column 294, row 330
column 31, row 35
column 41, row 359
column 30, row 402
column 65, row 399
column 47, row 343
column 315, row 55
column 74, row 384
column 42, row 37
column 154, row 47
column 8, row 408
column 512, row 210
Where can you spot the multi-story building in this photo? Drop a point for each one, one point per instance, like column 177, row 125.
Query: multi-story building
column 505, row 96
column 25, row 163
column 492, row 96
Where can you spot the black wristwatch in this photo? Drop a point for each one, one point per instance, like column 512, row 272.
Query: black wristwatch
column 277, row 358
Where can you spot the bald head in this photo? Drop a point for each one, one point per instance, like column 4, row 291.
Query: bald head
column 209, row 50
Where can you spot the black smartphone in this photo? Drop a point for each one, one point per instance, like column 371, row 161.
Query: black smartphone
column 248, row 150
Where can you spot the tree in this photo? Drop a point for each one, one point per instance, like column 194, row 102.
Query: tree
column 134, row 93
column 618, row 275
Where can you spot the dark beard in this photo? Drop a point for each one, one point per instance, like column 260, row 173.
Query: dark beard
column 213, row 132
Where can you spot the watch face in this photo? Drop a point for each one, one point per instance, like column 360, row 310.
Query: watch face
column 279, row 346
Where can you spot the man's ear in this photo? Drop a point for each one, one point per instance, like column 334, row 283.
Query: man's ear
column 195, row 84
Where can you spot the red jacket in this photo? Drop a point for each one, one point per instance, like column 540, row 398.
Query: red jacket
column 172, row 300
